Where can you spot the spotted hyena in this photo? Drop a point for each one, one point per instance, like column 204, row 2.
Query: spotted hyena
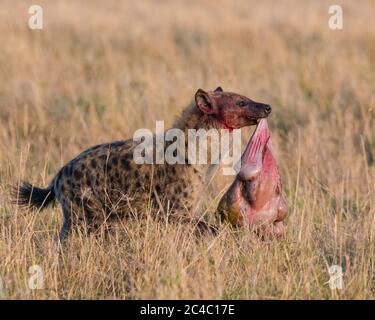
column 104, row 183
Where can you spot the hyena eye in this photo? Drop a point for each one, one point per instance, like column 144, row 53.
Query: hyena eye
column 242, row 103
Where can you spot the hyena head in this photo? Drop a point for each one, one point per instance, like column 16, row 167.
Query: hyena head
column 233, row 110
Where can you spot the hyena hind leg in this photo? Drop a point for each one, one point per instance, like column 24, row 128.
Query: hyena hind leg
column 67, row 225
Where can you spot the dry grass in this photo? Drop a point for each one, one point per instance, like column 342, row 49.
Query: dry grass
column 98, row 72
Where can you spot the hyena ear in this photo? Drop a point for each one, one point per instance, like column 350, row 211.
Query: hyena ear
column 219, row 89
column 204, row 102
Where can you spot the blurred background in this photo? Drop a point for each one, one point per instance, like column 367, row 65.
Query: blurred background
column 99, row 70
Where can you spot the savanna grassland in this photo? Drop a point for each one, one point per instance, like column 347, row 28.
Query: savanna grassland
column 99, row 70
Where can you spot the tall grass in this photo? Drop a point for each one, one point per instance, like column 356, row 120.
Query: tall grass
column 100, row 70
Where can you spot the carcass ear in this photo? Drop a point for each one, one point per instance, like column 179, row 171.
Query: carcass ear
column 204, row 102
column 219, row 89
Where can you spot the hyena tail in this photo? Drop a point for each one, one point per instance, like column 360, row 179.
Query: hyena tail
column 26, row 195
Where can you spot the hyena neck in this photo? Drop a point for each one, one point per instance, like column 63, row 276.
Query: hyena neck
column 193, row 118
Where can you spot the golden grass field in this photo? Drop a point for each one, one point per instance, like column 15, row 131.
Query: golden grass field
column 99, row 70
